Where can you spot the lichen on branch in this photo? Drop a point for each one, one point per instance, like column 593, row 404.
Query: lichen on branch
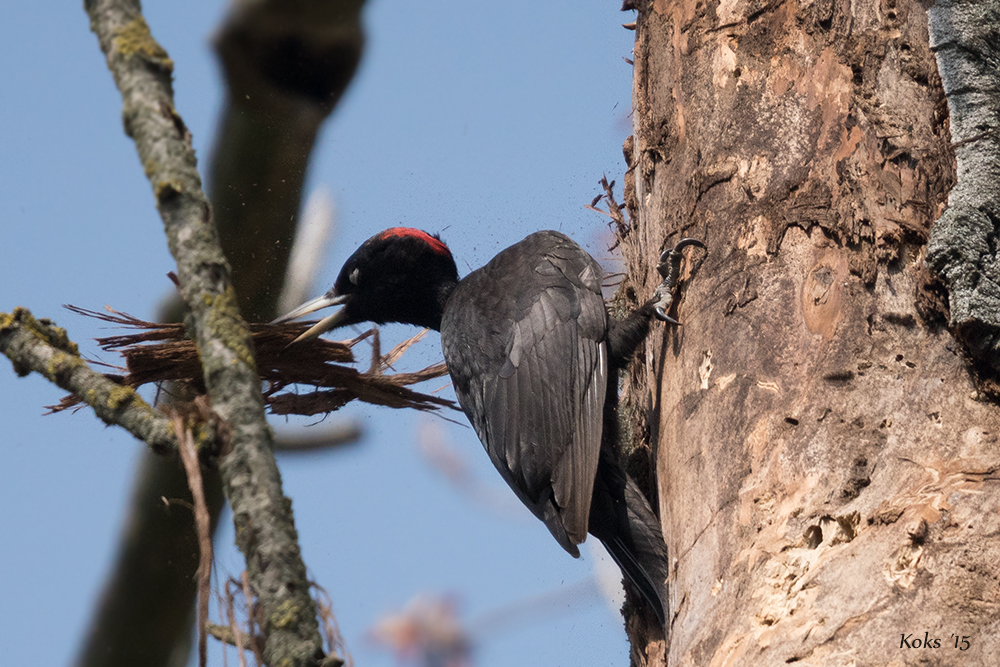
column 265, row 530
column 40, row 346
column 965, row 39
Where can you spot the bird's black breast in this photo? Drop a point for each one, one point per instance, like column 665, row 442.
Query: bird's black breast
column 524, row 339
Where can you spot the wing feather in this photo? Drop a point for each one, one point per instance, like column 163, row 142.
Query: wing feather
column 524, row 341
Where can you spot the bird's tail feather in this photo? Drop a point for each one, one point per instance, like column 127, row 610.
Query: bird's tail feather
column 635, row 572
column 631, row 533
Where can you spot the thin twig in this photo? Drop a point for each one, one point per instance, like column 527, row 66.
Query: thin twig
column 375, row 367
column 156, row 353
column 203, row 524
column 233, row 625
column 615, row 210
column 396, row 352
column 229, row 635
column 251, row 614
column 345, row 432
column 337, row 653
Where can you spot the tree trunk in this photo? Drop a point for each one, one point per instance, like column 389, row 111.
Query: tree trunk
column 828, row 472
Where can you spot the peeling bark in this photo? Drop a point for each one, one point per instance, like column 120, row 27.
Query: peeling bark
column 829, row 480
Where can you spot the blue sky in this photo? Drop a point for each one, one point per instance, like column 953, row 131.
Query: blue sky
column 484, row 121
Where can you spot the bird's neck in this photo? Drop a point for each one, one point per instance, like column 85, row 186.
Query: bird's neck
column 426, row 307
column 442, row 293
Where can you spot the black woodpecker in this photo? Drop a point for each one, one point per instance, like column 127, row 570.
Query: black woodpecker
column 534, row 358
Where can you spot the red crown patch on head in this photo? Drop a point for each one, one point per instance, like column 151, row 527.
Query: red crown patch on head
column 436, row 244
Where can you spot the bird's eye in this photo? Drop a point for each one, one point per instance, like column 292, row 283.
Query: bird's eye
column 353, row 277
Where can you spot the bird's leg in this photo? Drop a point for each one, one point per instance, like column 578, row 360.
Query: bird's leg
column 625, row 335
column 670, row 268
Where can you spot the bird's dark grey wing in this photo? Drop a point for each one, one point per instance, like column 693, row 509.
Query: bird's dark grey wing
column 526, row 351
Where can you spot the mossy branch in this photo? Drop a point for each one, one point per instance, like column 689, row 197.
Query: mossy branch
column 265, row 530
column 40, row 346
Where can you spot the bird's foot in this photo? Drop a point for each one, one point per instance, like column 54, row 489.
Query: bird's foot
column 670, row 268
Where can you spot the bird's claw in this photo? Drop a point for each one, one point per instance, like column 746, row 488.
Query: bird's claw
column 670, row 267
column 663, row 317
column 670, row 259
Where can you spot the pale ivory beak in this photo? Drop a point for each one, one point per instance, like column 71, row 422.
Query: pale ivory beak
column 323, row 325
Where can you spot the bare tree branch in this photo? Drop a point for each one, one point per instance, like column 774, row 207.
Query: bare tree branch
column 267, row 132
column 265, row 531
column 346, row 432
column 41, row 347
column 286, row 65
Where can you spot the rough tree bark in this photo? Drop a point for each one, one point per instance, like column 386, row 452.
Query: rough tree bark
column 829, row 478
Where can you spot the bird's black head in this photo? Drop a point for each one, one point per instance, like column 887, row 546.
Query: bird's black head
column 399, row 275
